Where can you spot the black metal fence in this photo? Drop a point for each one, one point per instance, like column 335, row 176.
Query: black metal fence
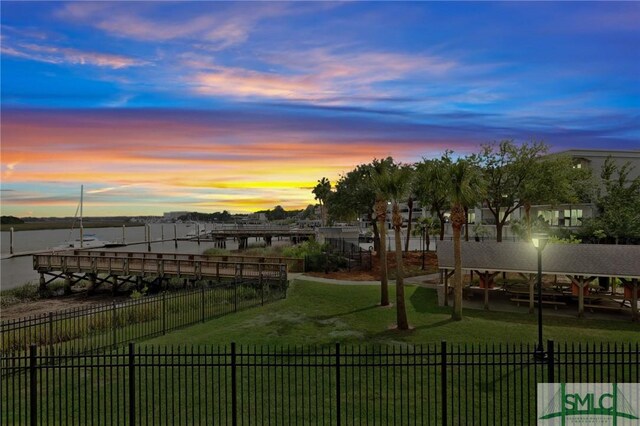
column 435, row 384
column 117, row 323
column 352, row 252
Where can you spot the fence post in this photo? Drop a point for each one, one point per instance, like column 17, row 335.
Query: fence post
column 551, row 362
column 234, row 387
column 164, row 313
column 132, row 385
column 33, row 385
column 113, row 324
column 261, row 283
column 235, row 297
column 50, row 332
column 202, row 302
column 443, row 380
column 338, row 407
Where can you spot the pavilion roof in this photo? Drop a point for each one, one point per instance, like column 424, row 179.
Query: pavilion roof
column 563, row 259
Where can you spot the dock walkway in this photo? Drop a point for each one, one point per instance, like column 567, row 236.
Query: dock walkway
column 121, row 267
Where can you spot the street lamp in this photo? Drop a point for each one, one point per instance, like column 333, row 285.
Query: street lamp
column 539, row 242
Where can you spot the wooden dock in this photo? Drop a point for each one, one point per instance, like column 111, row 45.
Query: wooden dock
column 243, row 234
column 117, row 268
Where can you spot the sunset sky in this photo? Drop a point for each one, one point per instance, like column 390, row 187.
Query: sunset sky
column 205, row 106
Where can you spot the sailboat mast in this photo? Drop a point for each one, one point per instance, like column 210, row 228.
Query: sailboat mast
column 81, row 228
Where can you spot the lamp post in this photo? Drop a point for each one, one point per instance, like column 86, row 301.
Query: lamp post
column 539, row 242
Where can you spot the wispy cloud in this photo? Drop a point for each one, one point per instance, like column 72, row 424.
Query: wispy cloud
column 64, row 55
column 217, row 26
column 109, row 189
column 319, row 75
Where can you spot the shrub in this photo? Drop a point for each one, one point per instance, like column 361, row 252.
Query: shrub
column 306, row 248
column 25, row 293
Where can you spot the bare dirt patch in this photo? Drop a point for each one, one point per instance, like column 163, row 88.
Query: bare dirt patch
column 412, row 262
column 53, row 304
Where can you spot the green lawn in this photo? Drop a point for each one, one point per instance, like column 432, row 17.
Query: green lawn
column 280, row 384
column 322, row 314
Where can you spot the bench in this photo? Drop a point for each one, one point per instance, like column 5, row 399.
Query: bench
column 544, row 302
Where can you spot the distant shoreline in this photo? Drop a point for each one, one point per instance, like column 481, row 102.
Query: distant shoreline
column 37, row 226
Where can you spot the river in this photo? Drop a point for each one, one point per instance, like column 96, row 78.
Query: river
column 18, row 270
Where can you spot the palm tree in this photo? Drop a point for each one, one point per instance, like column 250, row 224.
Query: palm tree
column 378, row 177
column 410, row 206
column 380, row 208
column 465, row 190
column 394, row 184
column 321, row 192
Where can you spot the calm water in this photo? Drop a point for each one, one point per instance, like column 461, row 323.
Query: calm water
column 17, row 271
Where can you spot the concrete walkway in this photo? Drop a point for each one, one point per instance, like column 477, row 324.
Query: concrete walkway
column 423, row 280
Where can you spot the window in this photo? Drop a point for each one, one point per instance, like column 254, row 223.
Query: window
column 552, row 217
column 572, row 217
column 580, row 163
column 471, row 217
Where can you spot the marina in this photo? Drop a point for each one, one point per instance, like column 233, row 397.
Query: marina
column 17, row 268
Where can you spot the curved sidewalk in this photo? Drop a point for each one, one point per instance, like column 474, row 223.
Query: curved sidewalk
column 432, row 280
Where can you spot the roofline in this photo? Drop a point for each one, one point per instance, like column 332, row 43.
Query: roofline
column 603, row 152
column 516, row 271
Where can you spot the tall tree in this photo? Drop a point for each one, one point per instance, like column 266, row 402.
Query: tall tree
column 554, row 180
column 321, row 192
column 355, row 196
column 379, row 181
column 507, row 169
column 394, row 183
column 466, row 188
column 432, row 186
column 618, row 204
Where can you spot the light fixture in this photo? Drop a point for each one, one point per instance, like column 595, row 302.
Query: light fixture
column 540, row 242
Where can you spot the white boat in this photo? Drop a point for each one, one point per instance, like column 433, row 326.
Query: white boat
column 86, row 241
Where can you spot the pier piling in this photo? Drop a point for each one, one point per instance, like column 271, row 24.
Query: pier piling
column 175, row 235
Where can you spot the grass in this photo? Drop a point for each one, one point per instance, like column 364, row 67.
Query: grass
column 107, row 325
column 322, row 314
column 172, row 385
column 29, row 292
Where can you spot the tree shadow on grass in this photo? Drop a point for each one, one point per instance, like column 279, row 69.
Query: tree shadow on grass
column 435, row 324
column 424, row 300
column 355, row 311
column 549, row 320
column 393, row 332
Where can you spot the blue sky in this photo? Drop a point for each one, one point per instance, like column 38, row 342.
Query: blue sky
column 159, row 106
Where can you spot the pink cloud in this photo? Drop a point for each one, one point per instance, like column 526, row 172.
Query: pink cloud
column 247, row 83
column 317, row 75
